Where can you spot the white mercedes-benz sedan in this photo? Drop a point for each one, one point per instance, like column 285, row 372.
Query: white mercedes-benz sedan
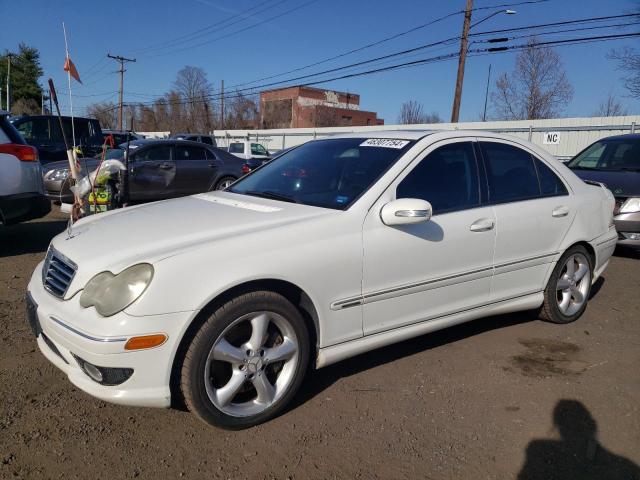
column 339, row 246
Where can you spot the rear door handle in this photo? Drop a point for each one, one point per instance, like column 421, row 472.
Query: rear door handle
column 482, row 225
column 560, row 212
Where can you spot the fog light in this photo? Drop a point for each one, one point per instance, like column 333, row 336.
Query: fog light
column 104, row 375
column 631, row 235
column 93, row 371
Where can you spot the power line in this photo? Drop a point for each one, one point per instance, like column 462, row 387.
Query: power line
column 235, row 32
column 384, row 40
column 205, row 30
column 440, row 58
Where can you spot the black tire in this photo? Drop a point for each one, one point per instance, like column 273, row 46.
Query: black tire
column 550, row 310
column 192, row 382
column 220, row 184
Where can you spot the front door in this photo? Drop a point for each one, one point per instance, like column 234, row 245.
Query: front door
column 414, row 273
column 152, row 174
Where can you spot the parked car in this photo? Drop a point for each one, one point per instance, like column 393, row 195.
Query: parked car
column 195, row 137
column 363, row 242
column 249, row 150
column 615, row 162
column 158, row 169
column 253, row 163
column 120, row 136
column 43, row 132
column 21, row 194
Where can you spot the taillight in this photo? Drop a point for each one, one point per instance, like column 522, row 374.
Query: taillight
column 246, row 169
column 25, row 153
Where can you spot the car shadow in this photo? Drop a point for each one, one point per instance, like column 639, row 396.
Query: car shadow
column 627, row 252
column 31, row 237
column 319, row 380
column 577, row 453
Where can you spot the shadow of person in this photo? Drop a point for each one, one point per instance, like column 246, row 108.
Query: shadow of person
column 578, row 454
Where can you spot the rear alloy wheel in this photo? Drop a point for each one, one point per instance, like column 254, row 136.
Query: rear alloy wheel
column 247, row 361
column 567, row 292
column 224, row 183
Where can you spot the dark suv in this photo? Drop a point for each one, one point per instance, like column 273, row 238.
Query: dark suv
column 615, row 162
column 43, row 132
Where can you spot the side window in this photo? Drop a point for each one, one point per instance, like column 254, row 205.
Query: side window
column 510, row 172
column 207, row 140
column 189, row 153
column 447, row 178
column 162, row 152
column 236, row 148
column 36, row 130
column 550, row 184
column 257, row 149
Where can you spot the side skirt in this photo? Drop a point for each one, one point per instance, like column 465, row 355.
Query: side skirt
column 341, row 351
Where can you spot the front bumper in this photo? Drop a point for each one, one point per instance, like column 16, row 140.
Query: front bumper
column 69, row 331
column 626, row 225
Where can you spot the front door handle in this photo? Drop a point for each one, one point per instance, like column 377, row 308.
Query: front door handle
column 560, row 212
column 482, row 225
column 166, row 166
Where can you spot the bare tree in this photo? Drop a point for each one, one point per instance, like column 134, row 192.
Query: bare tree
column 25, row 106
column 412, row 112
column 629, row 63
column 241, row 112
column 104, row 112
column 537, row 87
column 276, row 113
column 192, row 86
column 611, row 107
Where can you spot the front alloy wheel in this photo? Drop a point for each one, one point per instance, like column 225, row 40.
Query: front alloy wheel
column 247, row 361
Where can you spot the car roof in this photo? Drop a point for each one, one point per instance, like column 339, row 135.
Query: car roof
column 624, row 136
column 172, row 141
column 391, row 134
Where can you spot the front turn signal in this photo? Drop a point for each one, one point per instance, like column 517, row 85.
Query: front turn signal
column 145, row 341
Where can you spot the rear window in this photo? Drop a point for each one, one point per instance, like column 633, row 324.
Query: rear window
column 236, row 148
column 9, row 131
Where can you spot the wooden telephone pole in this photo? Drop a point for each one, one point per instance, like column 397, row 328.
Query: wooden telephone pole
column 455, row 111
column 121, row 60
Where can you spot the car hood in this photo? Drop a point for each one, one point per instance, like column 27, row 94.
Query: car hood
column 621, row 183
column 86, row 164
column 150, row 232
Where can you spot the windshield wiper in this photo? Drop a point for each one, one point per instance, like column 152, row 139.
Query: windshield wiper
column 272, row 195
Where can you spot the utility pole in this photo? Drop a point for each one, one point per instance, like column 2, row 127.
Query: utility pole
column 121, row 60
column 455, row 111
column 9, row 55
column 486, row 96
column 221, row 104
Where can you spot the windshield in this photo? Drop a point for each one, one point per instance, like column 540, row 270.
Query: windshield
column 609, row 155
column 329, row 173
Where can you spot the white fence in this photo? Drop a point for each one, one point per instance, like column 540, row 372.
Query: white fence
column 562, row 137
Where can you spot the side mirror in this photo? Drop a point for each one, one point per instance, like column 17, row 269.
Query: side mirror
column 406, row 211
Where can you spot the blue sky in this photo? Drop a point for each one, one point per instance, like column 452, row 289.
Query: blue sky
column 315, row 31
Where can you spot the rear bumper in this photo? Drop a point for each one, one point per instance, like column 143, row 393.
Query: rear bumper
column 22, row 207
column 628, row 224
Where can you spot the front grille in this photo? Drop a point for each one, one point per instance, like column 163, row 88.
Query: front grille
column 619, row 202
column 57, row 273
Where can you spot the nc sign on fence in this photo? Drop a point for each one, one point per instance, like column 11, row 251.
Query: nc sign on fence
column 551, row 138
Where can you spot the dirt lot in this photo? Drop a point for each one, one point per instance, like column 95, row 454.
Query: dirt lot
column 497, row 398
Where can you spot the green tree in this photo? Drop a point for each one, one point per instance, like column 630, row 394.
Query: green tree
column 25, row 73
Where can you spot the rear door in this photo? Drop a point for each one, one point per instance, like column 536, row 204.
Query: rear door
column 195, row 172
column 533, row 213
column 152, row 173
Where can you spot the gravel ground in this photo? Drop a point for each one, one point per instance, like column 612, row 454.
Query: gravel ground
column 502, row 397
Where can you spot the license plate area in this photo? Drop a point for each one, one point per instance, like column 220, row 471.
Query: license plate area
column 32, row 315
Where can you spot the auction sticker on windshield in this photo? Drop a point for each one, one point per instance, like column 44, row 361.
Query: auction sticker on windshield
column 385, row 143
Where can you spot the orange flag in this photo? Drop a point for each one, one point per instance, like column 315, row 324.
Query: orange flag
column 71, row 68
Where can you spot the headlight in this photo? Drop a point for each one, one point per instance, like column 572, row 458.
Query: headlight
column 58, row 174
column 111, row 293
column 631, row 205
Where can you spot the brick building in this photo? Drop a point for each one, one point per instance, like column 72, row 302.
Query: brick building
column 307, row 107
